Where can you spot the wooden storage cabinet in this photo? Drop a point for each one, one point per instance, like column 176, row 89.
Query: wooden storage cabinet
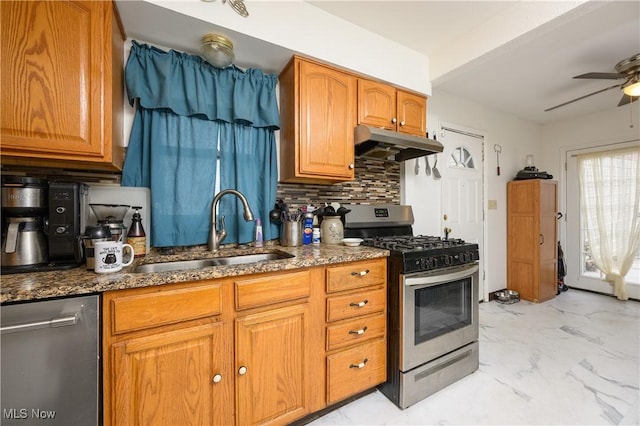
column 318, row 115
column 384, row 106
column 532, row 260
column 356, row 328
column 62, row 84
column 273, row 362
column 247, row 350
column 166, row 356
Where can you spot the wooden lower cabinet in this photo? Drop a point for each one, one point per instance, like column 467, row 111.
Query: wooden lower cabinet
column 249, row 350
column 170, row 378
column 356, row 307
column 166, row 356
column 272, row 365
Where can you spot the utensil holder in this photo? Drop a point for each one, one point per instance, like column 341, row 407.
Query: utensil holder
column 290, row 234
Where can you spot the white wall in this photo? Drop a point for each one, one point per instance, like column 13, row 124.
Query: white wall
column 602, row 128
column 301, row 27
column 517, row 138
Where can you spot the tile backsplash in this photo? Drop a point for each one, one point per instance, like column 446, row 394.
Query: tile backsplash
column 376, row 182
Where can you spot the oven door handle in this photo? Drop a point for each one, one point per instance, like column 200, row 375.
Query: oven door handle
column 441, row 278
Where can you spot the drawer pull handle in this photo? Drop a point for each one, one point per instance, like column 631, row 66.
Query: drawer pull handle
column 359, row 304
column 217, row 378
column 361, row 365
column 358, row 332
column 361, row 273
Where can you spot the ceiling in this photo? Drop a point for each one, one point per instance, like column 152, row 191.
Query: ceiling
column 523, row 76
column 518, row 57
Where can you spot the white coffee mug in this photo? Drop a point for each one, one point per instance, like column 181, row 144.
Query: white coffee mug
column 108, row 256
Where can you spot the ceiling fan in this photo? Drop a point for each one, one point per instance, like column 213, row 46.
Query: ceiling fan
column 627, row 69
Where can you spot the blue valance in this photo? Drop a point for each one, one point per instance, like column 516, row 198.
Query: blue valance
column 189, row 86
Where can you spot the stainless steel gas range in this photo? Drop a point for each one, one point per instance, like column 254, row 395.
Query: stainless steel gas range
column 432, row 302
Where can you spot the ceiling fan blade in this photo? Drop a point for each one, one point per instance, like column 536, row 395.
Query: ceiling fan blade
column 601, row 75
column 627, row 99
column 582, row 97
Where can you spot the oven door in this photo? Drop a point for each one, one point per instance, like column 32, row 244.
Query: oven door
column 439, row 313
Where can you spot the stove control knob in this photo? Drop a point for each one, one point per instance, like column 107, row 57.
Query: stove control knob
column 447, row 260
column 434, row 262
column 464, row 257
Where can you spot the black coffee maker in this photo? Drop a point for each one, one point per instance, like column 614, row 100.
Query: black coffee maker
column 42, row 223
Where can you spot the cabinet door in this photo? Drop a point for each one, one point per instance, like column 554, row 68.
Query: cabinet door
column 327, row 102
column 548, row 274
column 57, row 80
column 376, row 104
column 272, row 366
column 173, row 378
column 412, row 114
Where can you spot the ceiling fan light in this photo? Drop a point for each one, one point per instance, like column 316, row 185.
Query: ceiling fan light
column 632, row 89
column 217, row 50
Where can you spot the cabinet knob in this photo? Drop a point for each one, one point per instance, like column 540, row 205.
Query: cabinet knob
column 217, row 378
column 359, row 304
column 242, row 370
column 351, row 166
column 394, row 120
column 358, row 332
column 361, row 273
column 402, row 123
column 360, row 365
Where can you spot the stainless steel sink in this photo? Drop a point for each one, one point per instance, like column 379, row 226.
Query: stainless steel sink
column 181, row 265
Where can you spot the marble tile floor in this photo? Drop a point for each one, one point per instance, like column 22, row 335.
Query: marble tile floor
column 573, row 360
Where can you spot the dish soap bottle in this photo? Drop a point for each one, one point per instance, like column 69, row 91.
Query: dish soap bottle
column 136, row 235
column 259, row 238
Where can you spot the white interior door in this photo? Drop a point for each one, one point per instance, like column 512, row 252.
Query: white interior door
column 581, row 272
column 461, row 167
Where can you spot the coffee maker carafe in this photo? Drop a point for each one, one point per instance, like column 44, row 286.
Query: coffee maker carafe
column 42, row 224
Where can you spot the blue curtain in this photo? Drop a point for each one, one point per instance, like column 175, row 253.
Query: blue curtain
column 184, row 106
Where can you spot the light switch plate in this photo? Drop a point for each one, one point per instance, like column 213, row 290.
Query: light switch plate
column 493, row 205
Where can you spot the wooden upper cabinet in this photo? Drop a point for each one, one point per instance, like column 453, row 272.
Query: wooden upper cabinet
column 62, row 85
column 412, row 113
column 377, row 104
column 318, row 116
column 384, row 106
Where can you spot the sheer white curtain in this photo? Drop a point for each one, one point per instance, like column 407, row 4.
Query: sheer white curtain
column 609, row 200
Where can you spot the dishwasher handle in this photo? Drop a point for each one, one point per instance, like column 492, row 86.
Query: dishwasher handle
column 55, row 322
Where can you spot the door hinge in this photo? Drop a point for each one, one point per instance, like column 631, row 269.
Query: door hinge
column 483, row 275
column 565, row 166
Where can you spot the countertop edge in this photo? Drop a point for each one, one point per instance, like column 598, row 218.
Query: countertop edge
column 35, row 286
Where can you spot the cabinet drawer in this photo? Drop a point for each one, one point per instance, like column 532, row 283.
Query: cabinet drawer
column 251, row 293
column 355, row 331
column 142, row 311
column 355, row 370
column 356, row 275
column 356, row 304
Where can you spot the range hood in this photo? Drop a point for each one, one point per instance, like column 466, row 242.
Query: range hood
column 381, row 144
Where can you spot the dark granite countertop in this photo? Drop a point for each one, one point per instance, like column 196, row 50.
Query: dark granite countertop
column 78, row 281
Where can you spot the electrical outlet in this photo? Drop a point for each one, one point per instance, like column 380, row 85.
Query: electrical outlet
column 493, row 205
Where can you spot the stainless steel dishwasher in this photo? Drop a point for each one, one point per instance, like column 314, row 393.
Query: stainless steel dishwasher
column 50, row 362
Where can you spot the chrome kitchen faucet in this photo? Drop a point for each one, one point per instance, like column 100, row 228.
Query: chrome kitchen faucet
column 215, row 237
